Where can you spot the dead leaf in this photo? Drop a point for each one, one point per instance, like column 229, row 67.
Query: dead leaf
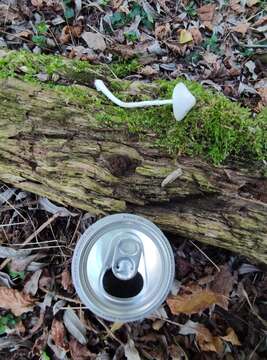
column 58, row 351
column 74, row 325
column 116, row 326
column 66, row 280
column 251, row 3
column 78, row 351
column 148, row 71
column 130, row 351
column 241, row 28
column 235, row 6
column 7, row 14
column 15, row 301
column 70, row 32
column 209, row 57
column 162, row 31
column 262, row 20
column 48, row 206
column 195, row 302
column 231, row 337
column 94, row 41
column 205, row 340
column 40, row 343
column 197, row 36
column 25, row 34
column 208, row 342
column 157, row 324
column 176, row 47
column 116, row 4
column 223, row 281
column 263, row 94
column 31, row 286
column 125, row 51
column 185, row 36
column 206, row 14
column 190, row 327
column 58, row 334
column 37, row 3
column 21, row 263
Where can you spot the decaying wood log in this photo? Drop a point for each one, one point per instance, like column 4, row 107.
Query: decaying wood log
column 60, row 151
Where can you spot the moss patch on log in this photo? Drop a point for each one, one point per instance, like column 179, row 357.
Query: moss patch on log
column 216, row 129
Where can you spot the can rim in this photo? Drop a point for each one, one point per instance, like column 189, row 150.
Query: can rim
column 85, row 240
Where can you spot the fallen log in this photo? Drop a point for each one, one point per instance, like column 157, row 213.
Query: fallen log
column 71, row 146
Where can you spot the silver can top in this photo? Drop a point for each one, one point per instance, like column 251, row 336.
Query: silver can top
column 123, row 267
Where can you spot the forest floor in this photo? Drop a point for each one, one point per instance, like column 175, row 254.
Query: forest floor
column 218, row 305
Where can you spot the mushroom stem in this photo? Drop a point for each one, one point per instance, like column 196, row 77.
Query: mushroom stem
column 100, row 86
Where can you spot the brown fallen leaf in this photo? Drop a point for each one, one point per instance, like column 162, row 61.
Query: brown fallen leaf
column 231, row 337
column 70, row 32
column 148, row 71
column 40, row 343
column 195, row 302
column 177, row 48
column 79, row 352
column 235, row 6
column 241, row 28
column 262, row 20
column 162, row 31
column 7, row 14
column 25, row 33
column 263, row 94
column 126, row 52
column 223, row 282
column 206, row 14
column 37, row 3
column 208, row 342
column 116, row 4
column 94, row 41
column 205, row 340
column 66, row 281
column 197, row 36
column 251, row 3
column 15, row 301
column 58, row 334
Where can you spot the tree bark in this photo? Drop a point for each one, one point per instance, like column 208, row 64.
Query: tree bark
column 60, row 151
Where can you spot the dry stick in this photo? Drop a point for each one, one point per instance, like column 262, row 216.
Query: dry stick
column 206, row 256
column 32, row 236
column 7, row 208
column 41, row 228
column 75, row 231
column 109, row 332
column 60, row 296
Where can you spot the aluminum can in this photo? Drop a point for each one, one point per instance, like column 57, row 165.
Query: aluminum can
column 123, row 268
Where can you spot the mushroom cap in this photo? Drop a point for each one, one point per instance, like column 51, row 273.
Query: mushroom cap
column 182, row 101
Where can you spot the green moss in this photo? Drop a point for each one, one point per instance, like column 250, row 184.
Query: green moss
column 216, row 129
column 125, row 67
column 28, row 65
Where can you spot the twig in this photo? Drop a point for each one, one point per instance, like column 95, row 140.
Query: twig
column 41, row 228
column 75, row 231
column 110, row 333
column 256, row 348
column 60, row 296
column 206, row 256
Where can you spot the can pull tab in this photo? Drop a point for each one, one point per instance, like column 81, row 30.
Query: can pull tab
column 126, row 258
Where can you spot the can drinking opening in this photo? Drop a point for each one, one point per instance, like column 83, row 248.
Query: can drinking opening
column 122, row 288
